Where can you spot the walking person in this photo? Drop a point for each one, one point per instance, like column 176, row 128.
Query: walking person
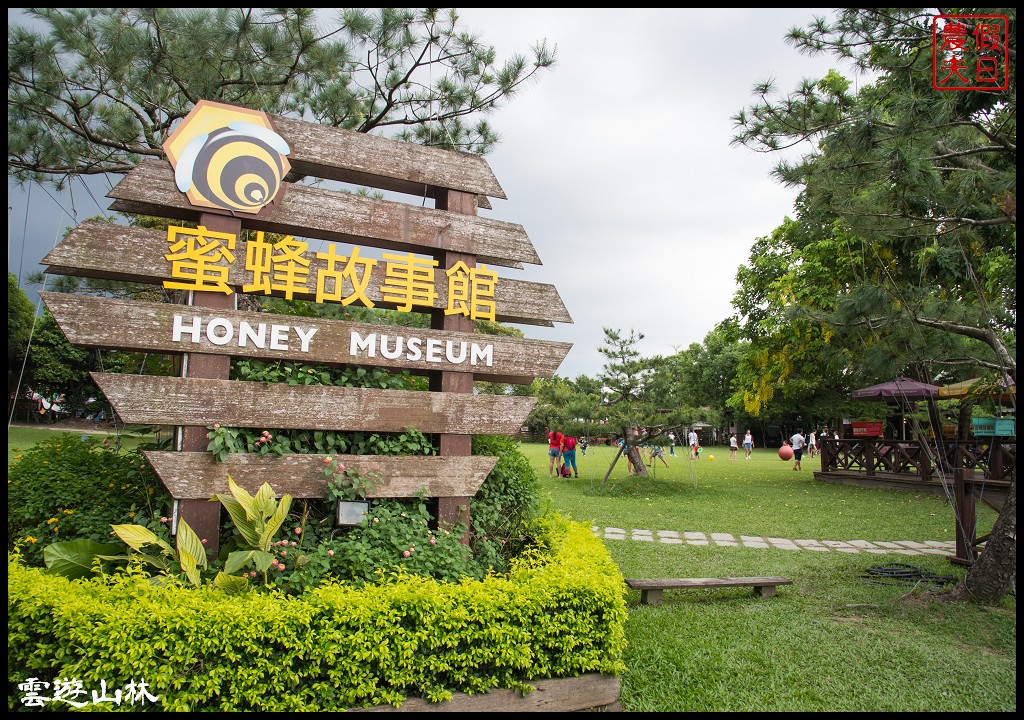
column 672, row 444
column 657, row 453
column 691, row 439
column 569, row 456
column 748, row 444
column 797, row 442
column 555, row 440
column 812, row 444
column 734, row 447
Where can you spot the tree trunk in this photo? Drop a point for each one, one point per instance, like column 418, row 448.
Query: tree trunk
column 611, row 467
column 995, row 570
column 637, row 462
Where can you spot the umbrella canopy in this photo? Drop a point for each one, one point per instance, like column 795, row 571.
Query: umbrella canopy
column 902, row 388
column 962, row 389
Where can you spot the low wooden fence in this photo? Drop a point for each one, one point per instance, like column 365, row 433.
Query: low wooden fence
column 992, row 459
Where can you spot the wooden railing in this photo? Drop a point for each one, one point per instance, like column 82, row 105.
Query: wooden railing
column 994, row 460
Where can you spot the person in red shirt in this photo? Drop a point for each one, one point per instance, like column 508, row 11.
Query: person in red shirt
column 569, row 455
column 555, row 441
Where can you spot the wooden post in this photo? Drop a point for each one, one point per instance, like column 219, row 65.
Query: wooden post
column 995, row 468
column 963, row 506
column 203, row 516
column 924, row 464
column 453, row 510
column 869, row 457
column 825, row 448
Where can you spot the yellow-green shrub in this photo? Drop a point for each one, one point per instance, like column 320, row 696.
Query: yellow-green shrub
column 559, row 613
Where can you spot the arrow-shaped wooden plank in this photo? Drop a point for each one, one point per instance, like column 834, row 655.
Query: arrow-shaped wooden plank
column 325, row 214
column 361, row 159
column 195, row 476
column 149, row 400
column 117, row 252
column 166, row 328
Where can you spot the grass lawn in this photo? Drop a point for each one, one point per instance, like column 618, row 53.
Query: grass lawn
column 21, row 437
column 832, row 641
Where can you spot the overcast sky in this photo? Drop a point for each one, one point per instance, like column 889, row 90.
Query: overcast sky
column 616, row 162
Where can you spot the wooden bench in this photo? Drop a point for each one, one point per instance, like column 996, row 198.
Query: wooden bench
column 651, row 589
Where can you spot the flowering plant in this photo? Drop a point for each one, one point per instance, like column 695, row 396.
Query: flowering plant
column 348, row 483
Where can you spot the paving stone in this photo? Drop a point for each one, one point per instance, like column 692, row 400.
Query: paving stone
column 755, row 544
column 722, row 536
column 861, row 544
column 819, row 548
column 890, row 545
column 679, row 541
column 835, row 544
column 913, row 545
column 751, row 538
column 726, row 543
column 694, row 535
column 847, row 549
column 698, row 542
column 807, row 543
column 614, row 530
column 668, row 533
column 777, row 541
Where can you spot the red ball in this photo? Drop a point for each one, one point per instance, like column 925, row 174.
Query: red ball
column 786, row 452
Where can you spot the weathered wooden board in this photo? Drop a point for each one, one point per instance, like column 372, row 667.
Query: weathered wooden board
column 362, row 159
column 152, row 327
column 117, row 252
column 148, row 400
column 337, row 216
column 194, row 475
column 586, row 692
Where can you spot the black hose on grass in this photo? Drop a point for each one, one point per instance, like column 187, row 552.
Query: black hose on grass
column 900, row 574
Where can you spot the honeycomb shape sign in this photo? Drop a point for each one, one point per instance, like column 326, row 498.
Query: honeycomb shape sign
column 228, row 158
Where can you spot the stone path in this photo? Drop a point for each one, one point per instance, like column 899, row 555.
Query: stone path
column 877, row 547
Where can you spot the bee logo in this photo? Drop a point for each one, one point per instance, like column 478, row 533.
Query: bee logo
column 228, row 158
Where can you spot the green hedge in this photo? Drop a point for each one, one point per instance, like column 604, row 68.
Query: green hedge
column 560, row 612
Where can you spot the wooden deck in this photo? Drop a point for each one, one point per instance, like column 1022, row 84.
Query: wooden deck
column 991, row 492
column 982, row 469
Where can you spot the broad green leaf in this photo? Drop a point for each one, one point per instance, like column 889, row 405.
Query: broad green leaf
column 242, row 522
column 189, row 542
column 274, row 524
column 237, row 560
column 188, row 565
column 135, row 536
column 242, row 497
column 264, row 501
column 262, row 560
column 73, row 559
column 231, row 584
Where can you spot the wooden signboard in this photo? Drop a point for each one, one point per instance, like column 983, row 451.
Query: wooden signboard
column 233, row 174
column 117, row 252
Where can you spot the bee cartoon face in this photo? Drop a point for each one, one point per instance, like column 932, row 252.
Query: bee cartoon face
column 227, row 162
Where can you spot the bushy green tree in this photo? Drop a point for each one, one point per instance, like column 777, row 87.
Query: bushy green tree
column 629, row 404
column 20, row 315
column 920, row 184
column 99, row 89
